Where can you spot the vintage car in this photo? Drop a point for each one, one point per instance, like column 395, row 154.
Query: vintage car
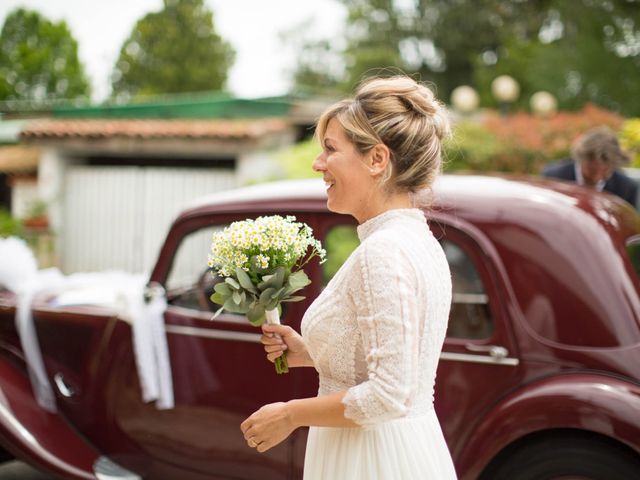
column 539, row 377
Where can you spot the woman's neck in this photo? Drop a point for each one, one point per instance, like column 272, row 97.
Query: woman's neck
column 383, row 203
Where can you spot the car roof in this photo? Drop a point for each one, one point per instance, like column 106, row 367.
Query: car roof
column 475, row 196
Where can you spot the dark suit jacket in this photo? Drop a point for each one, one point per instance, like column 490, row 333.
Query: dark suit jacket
column 618, row 184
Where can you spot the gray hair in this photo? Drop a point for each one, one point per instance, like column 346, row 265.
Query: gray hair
column 599, row 144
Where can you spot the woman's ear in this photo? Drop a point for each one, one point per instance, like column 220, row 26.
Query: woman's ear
column 379, row 158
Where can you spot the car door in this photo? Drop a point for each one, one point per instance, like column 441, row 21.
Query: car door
column 220, row 377
column 219, row 371
column 479, row 360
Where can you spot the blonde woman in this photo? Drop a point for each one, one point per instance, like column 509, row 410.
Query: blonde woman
column 375, row 333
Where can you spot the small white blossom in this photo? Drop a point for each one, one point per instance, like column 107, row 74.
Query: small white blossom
column 271, row 241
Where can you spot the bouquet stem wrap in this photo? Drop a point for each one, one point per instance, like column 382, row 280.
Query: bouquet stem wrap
column 273, row 318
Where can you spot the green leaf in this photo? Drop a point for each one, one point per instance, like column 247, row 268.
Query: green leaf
column 245, row 280
column 231, row 306
column 218, row 312
column 218, row 298
column 299, row 280
column 233, row 282
column 265, row 296
column 223, row 289
column 273, row 304
column 256, row 315
column 293, row 299
column 274, row 280
column 278, row 294
column 236, row 297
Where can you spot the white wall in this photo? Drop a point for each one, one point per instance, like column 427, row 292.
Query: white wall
column 23, row 193
column 117, row 217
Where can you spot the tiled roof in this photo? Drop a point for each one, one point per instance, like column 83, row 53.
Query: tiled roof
column 153, row 129
column 19, row 159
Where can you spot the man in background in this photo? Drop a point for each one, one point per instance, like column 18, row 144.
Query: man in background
column 595, row 160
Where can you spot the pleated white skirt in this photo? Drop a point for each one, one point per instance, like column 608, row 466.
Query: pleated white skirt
column 403, row 449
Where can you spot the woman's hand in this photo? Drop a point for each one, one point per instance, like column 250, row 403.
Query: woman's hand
column 278, row 339
column 267, row 427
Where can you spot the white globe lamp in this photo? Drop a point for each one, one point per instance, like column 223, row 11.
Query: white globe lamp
column 465, row 99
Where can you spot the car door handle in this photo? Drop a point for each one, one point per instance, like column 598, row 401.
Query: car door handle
column 63, row 387
column 494, row 351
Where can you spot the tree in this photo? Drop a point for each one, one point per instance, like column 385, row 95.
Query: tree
column 39, row 59
column 584, row 50
column 593, row 56
column 174, row 50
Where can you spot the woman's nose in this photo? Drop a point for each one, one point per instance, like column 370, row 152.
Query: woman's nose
column 319, row 163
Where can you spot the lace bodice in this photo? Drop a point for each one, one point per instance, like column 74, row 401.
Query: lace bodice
column 378, row 327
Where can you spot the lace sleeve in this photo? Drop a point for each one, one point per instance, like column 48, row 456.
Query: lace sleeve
column 387, row 316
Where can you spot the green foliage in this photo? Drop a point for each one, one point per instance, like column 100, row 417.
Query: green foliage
column 296, row 160
column 174, row 50
column 9, row 226
column 630, row 139
column 39, row 59
column 339, row 243
column 471, row 147
column 593, row 56
column 240, row 294
column 570, row 49
column 520, row 143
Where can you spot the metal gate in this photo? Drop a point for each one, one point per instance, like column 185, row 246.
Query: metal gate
column 116, row 218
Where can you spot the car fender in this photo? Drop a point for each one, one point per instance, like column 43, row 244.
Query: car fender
column 591, row 402
column 42, row 439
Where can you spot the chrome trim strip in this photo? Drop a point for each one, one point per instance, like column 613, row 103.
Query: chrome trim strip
column 106, row 469
column 471, row 298
column 16, row 429
column 465, row 357
column 255, row 338
column 214, row 333
column 208, row 316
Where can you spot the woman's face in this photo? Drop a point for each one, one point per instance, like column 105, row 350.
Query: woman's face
column 346, row 173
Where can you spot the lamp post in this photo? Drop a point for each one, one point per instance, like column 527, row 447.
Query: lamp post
column 505, row 90
column 543, row 103
column 465, row 99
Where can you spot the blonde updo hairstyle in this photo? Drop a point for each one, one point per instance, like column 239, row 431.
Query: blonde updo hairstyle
column 401, row 114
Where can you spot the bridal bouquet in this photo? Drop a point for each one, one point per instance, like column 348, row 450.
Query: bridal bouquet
column 261, row 262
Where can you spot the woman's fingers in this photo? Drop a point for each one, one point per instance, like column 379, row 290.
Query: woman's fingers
column 272, row 330
column 272, row 356
column 275, row 348
column 270, row 340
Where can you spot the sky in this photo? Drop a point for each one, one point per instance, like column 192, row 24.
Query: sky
column 253, row 27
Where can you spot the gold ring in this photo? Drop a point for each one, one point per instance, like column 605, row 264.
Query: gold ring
column 252, row 444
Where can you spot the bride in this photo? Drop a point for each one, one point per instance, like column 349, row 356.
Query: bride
column 375, row 333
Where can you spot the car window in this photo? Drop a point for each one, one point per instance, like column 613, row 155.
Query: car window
column 470, row 316
column 190, row 282
column 339, row 242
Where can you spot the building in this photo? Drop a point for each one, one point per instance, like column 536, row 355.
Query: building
column 114, row 177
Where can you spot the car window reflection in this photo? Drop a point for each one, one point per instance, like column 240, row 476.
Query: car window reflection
column 470, row 316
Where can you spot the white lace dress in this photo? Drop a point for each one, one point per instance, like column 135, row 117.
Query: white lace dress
column 376, row 331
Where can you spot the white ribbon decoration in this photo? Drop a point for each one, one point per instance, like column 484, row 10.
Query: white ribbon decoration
column 121, row 291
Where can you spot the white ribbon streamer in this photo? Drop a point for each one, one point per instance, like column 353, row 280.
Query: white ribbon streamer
column 121, row 291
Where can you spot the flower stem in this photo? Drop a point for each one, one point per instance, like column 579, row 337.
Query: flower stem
column 281, row 365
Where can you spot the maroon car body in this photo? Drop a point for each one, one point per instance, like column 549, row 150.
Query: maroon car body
column 539, row 376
